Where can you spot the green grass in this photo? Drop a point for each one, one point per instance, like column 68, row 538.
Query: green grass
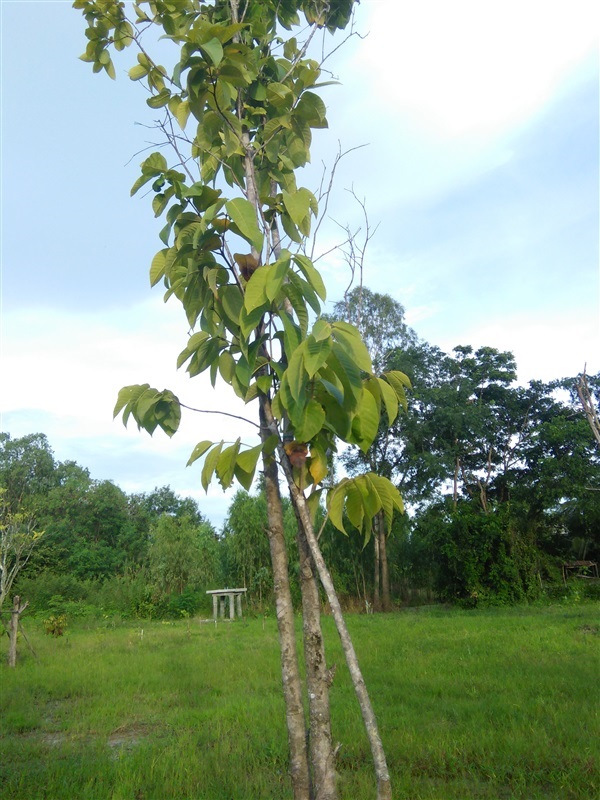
column 471, row 704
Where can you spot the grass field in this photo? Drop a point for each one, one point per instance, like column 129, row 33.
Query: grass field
column 471, row 704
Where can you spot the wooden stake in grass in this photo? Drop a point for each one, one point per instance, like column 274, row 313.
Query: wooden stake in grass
column 13, row 629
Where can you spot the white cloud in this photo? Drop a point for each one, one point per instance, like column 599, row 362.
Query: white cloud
column 545, row 349
column 470, row 66
column 61, row 373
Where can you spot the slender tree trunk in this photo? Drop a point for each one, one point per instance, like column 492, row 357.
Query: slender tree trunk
column 384, row 788
column 318, row 678
column 13, row 629
column 385, row 574
column 376, row 571
column 292, row 685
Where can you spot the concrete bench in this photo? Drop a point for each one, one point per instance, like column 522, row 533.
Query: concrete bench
column 220, row 596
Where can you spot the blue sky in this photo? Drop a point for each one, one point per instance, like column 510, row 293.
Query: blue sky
column 480, row 122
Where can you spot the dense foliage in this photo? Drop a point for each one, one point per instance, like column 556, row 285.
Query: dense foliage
column 501, row 480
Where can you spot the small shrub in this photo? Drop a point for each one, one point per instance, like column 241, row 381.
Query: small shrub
column 55, row 625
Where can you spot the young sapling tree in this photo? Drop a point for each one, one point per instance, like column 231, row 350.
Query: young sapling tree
column 240, row 106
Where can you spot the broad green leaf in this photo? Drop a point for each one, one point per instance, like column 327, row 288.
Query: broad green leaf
column 321, row 329
column 277, row 274
column 249, row 321
column 182, row 114
column 296, row 374
column 315, row 354
column 335, row 505
column 313, row 420
column 290, row 229
column 199, row 451
column 366, row 421
column 255, row 295
column 350, row 338
column 243, row 478
column 157, row 268
column 355, row 509
column 389, row 399
column 127, row 395
column 232, row 302
column 398, row 380
column 243, row 214
column 313, row 502
column 226, row 366
column 297, row 205
column 312, row 274
column 226, row 464
column 247, row 459
column 213, row 51
column 138, row 72
column 292, row 335
column 318, row 466
column 347, row 372
column 210, row 463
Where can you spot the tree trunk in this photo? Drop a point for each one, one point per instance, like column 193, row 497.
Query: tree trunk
column 318, row 678
column 13, row 629
column 376, row 571
column 292, row 685
column 384, row 788
column 385, row 574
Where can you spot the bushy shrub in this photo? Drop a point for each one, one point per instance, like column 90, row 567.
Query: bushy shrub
column 47, row 590
column 55, row 625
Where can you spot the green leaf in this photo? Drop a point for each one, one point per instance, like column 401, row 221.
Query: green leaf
column 277, row 275
column 313, row 420
column 390, row 400
column 321, row 329
column 210, row 463
column 182, row 114
column 335, row 505
column 318, row 466
column 398, row 380
column 243, row 214
column 138, row 72
column 249, row 321
column 297, row 205
column 248, row 459
column 157, row 268
column 355, row 508
column 199, row 451
column 243, row 478
column 315, row 354
column 226, row 464
column 128, row 395
column 255, row 295
column 296, row 374
column 313, row 502
column 213, row 51
column 232, row 302
column 350, row 338
column 366, row 421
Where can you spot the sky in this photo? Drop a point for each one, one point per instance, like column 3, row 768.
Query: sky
column 471, row 135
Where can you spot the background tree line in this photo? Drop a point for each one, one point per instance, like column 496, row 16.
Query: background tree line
column 501, row 484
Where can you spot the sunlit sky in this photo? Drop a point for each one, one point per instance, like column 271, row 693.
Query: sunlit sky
column 480, row 168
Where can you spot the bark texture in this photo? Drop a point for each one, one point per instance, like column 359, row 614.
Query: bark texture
column 292, row 685
column 318, row 679
column 386, row 597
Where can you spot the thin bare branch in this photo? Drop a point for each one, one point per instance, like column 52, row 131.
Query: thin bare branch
column 222, row 413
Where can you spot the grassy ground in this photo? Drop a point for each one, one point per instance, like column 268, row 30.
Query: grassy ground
column 471, row 704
